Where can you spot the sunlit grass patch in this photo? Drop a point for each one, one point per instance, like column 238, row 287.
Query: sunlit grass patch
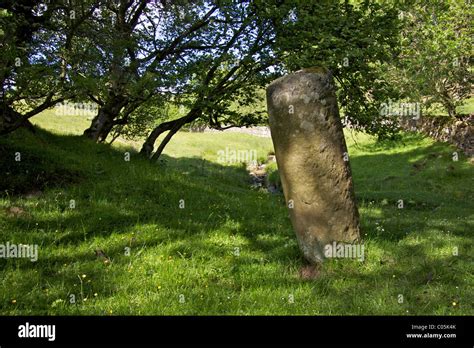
column 231, row 249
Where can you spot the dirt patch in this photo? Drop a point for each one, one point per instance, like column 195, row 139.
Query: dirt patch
column 310, row 272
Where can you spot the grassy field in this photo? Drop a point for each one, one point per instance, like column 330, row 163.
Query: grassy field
column 230, row 249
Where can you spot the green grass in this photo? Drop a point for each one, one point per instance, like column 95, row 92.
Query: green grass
column 467, row 107
column 62, row 124
column 231, row 250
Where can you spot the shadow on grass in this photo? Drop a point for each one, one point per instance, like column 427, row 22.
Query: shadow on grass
column 179, row 203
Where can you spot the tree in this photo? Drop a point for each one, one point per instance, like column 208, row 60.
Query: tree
column 35, row 71
column 434, row 63
column 126, row 55
column 134, row 48
column 354, row 40
column 231, row 70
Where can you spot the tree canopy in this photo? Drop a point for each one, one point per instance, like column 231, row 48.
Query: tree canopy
column 209, row 59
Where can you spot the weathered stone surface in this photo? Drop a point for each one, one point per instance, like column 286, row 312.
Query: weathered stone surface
column 312, row 160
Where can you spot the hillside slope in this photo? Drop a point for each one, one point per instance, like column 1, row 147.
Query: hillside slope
column 127, row 247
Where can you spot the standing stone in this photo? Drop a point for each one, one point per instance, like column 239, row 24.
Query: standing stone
column 312, row 160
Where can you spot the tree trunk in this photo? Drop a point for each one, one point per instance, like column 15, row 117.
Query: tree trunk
column 165, row 142
column 312, row 161
column 96, row 131
column 103, row 123
column 173, row 126
column 11, row 120
column 148, row 145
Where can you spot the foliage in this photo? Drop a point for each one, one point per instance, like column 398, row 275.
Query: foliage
column 143, row 118
column 436, row 53
column 351, row 39
column 215, row 57
column 36, row 69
